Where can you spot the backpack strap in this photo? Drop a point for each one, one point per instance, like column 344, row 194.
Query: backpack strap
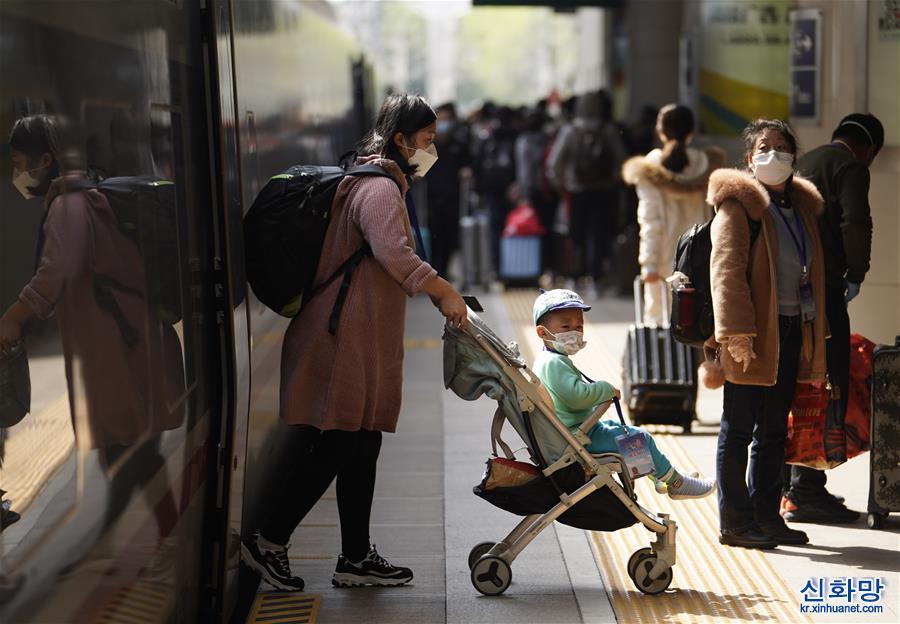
column 349, row 265
column 346, row 269
column 373, row 171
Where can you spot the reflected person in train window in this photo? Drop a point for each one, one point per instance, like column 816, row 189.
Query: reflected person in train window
column 340, row 392
column 123, row 364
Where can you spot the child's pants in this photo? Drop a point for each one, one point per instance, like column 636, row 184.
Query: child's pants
column 603, row 440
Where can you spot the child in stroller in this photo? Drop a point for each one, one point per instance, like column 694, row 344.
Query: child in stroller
column 564, row 481
column 559, row 322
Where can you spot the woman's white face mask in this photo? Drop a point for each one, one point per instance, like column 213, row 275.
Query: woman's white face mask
column 423, row 159
column 773, row 167
column 570, row 342
column 23, row 180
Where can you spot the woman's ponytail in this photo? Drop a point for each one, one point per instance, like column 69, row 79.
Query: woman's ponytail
column 674, row 155
column 676, row 123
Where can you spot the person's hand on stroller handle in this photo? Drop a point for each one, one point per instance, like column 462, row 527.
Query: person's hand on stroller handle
column 448, row 301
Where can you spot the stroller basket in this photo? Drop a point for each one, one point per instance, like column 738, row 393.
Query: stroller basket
column 600, row 511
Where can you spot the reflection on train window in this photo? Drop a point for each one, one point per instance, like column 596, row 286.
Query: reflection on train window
column 167, row 153
column 112, row 142
column 37, row 460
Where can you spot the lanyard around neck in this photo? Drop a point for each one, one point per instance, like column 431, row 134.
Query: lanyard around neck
column 800, row 242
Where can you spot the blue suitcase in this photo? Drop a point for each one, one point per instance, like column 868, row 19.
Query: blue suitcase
column 520, row 260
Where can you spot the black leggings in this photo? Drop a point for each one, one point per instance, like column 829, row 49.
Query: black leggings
column 315, row 458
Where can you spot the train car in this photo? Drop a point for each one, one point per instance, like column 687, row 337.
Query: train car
column 147, row 446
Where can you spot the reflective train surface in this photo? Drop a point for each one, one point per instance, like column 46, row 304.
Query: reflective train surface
column 126, row 486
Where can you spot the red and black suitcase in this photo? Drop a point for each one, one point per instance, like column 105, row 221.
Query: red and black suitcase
column 884, row 456
column 659, row 374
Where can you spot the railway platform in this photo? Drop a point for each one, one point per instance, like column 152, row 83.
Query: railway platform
column 426, row 517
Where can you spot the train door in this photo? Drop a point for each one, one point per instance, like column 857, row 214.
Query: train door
column 225, row 522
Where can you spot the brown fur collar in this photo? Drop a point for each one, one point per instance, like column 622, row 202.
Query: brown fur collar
column 742, row 187
column 639, row 168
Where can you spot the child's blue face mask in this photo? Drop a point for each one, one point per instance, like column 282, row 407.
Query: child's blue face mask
column 570, row 342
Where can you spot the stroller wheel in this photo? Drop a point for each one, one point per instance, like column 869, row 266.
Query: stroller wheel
column 491, row 575
column 633, row 559
column 639, row 566
column 480, row 549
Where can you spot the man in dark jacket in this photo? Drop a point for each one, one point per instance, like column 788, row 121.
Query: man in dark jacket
column 840, row 170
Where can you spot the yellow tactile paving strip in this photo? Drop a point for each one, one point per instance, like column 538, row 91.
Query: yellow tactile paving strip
column 277, row 608
column 145, row 602
column 35, row 449
column 712, row 584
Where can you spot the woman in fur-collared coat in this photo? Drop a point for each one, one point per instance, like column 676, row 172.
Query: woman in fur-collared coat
column 767, row 280
column 671, row 188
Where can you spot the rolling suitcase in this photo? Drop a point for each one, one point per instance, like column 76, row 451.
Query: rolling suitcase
column 520, row 260
column 475, row 241
column 884, row 456
column 658, row 373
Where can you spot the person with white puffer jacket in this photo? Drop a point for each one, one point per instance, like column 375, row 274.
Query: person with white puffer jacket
column 671, row 187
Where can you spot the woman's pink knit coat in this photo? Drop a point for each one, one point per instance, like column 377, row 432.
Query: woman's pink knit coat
column 354, row 379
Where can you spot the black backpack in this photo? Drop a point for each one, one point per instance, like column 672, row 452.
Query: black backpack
column 284, row 232
column 145, row 207
column 593, row 160
column 692, row 320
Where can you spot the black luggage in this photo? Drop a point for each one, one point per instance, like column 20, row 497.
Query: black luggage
column 884, row 476
column 659, row 374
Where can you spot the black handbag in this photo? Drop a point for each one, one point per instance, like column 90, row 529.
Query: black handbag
column 15, row 386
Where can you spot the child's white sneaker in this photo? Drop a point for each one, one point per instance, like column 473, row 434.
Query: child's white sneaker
column 691, row 487
column 660, row 485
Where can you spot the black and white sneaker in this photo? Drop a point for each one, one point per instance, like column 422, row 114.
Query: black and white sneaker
column 272, row 565
column 373, row 570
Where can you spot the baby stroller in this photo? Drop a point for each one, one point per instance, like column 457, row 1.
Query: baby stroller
column 565, row 483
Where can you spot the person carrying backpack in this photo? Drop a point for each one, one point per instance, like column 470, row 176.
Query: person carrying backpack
column 671, row 188
column 585, row 161
column 768, row 295
column 124, row 365
column 340, row 391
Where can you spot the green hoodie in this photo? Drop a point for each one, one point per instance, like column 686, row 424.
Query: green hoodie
column 574, row 398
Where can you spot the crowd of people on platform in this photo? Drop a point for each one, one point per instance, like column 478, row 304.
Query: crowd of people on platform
column 563, row 159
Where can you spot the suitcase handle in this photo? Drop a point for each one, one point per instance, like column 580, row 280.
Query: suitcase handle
column 639, row 301
column 465, row 205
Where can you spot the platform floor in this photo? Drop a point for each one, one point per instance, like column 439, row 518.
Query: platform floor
column 425, row 516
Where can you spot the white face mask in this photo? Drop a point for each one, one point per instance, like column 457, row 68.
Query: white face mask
column 22, row 180
column 570, row 342
column 423, row 159
column 773, row 167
